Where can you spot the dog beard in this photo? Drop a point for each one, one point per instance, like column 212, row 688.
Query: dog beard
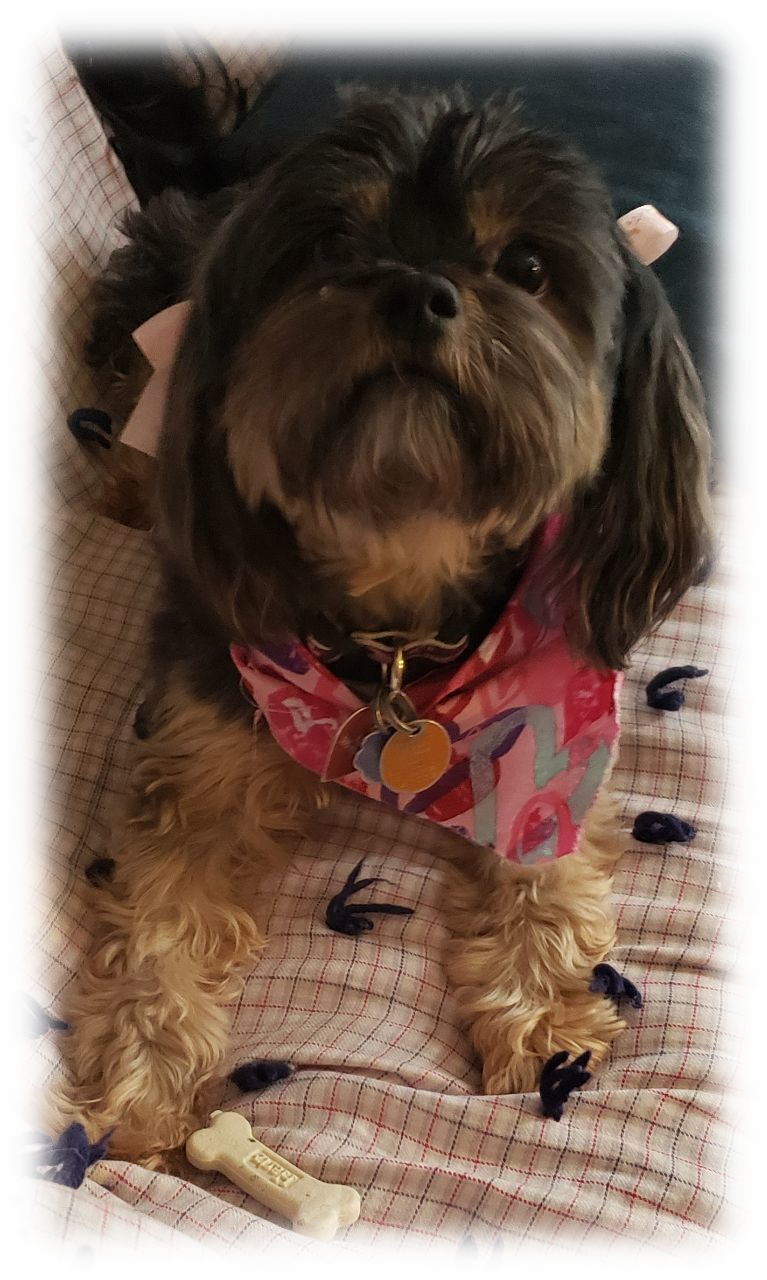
column 466, row 427
column 397, row 434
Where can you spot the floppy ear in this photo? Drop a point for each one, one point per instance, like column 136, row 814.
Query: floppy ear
column 640, row 533
column 235, row 560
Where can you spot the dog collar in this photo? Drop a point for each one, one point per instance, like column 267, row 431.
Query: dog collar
column 648, row 233
column 528, row 730
column 357, row 657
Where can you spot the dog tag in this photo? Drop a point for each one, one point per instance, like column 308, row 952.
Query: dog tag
column 416, row 760
column 367, row 761
column 347, row 743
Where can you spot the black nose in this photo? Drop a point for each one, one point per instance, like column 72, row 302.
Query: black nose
column 418, row 306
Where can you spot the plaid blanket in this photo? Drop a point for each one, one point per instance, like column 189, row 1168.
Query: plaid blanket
column 385, row 1096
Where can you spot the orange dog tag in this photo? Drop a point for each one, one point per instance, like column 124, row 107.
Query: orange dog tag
column 415, row 761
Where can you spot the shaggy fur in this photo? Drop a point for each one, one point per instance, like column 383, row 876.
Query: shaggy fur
column 412, row 338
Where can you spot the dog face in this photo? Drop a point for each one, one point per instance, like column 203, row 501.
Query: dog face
column 426, row 314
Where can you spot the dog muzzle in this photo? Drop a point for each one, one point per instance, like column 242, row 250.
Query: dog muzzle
column 648, row 233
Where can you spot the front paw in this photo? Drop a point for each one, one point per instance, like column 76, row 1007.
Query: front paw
column 515, row 1043
column 150, row 1135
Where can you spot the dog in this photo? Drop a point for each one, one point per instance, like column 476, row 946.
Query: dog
column 415, row 340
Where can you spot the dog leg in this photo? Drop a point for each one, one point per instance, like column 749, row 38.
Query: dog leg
column 525, row 942
column 211, row 801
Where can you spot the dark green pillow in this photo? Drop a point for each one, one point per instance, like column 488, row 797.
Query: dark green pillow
column 667, row 96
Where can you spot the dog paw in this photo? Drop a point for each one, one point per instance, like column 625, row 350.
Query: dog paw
column 514, row 1047
column 154, row 1142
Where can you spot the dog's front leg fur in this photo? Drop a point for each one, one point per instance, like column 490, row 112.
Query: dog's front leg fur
column 524, row 943
column 210, row 801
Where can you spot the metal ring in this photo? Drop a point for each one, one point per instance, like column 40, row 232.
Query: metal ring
column 386, row 707
column 378, row 713
column 396, row 672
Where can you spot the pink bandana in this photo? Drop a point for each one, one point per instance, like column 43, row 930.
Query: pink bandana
column 532, row 728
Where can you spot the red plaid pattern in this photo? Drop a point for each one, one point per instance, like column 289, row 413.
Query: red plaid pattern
column 385, row 1096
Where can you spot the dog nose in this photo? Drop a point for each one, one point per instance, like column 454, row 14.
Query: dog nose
column 419, row 306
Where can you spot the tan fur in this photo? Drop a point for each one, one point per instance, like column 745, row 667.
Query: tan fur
column 128, row 478
column 212, row 807
column 127, row 475
column 401, row 574
column 524, row 943
column 373, row 200
column 489, row 218
column 215, row 806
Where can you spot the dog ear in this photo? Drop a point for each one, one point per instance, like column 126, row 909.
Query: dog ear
column 234, row 559
column 641, row 533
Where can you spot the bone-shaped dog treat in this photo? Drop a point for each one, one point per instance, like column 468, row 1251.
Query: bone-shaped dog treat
column 314, row 1208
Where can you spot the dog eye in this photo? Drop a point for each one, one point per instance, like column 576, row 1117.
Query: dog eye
column 522, row 264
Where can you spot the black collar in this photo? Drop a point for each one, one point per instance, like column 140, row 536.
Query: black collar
column 357, row 657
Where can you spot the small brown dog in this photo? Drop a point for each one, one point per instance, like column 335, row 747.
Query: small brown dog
column 412, row 339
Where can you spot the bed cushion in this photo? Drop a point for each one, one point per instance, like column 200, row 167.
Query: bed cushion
column 385, row 1096
column 669, row 99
